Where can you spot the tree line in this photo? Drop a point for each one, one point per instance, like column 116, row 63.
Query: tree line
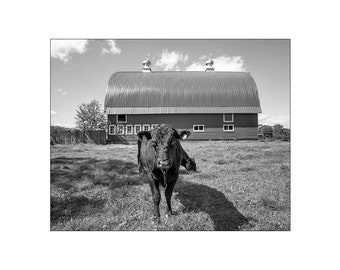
column 276, row 132
column 91, row 116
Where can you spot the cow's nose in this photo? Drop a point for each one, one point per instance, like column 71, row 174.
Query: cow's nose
column 163, row 164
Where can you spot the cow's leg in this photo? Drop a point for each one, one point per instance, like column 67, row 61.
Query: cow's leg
column 156, row 197
column 168, row 193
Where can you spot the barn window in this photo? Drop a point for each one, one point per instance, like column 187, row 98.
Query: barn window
column 128, row 129
column 154, row 126
column 120, row 129
column 121, row 118
column 228, row 128
column 228, row 117
column 146, row 127
column 112, row 129
column 138, row 128
column 198, row 128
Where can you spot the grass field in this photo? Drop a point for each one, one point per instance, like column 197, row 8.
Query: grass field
column 239, row 185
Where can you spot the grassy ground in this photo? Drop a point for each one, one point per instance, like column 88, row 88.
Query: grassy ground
column 241, row 185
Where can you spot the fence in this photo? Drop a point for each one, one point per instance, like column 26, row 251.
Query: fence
column 61, row 135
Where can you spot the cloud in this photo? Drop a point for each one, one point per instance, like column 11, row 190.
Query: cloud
column 53, row 112
column 62, row 91
column 221, row 63
column 170, row 60
column 283, row 120
column 62, row 124
column 202, row 57
column 196, row 67
column 111, row 47
column 63, row 49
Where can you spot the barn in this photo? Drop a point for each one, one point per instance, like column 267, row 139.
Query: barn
column 212, row 105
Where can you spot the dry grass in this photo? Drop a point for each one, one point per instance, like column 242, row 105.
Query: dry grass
column 241, row 185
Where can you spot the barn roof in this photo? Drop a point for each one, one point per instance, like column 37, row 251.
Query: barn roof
column 181, row 92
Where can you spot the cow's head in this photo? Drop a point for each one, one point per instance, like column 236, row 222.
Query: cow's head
column 191, row 165
column 164, row 139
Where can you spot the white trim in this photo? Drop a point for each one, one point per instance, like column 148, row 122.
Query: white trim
column 193, row 128
column 228, row 128
column 145, row 126
column 126, row 130
column 117, row 131
column 156, row 125
column 184, row 110
column 232, row 118
column 114, row 129
column 121, row 121
column 140, row 129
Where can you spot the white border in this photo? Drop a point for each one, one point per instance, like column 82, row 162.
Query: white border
column 127, row 129
column 263, row 250
column 197, row 130
column 232, row 118
column 121, row 122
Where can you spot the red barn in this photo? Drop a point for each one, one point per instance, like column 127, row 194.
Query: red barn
column 212, row 105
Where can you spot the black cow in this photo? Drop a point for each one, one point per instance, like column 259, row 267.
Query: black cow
column 188, row 162
column 160, row 156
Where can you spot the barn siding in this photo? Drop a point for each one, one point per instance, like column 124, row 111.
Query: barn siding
column 187, row 120
column 245, row 125
column 250, row 133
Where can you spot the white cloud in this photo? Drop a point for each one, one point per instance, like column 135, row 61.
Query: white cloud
column 203, row 57
column 196, row 67
column 62, row 124
column 221, row 63
column 170, row 60
column 53, row 112
column 111, row 47
column 62, row 91
column 283, row 120
column 63, row 49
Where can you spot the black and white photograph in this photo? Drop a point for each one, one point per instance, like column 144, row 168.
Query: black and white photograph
column 170, row 135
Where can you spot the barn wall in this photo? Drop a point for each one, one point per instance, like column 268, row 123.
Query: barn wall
column 250, row 133
column 245, row 125
column 188, row 120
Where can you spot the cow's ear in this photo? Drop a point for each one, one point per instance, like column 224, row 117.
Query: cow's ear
column 184, row 134
column 143, row 134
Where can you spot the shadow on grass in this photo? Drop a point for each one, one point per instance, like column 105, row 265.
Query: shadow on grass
column 66, row 172
column 196, row 198
column 72, row 206
column 73, row 179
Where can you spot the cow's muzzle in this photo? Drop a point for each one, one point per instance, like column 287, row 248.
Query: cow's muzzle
column 163, row 165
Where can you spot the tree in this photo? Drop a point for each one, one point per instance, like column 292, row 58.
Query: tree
column 90, row 116
column 267, row 131
column 277, row 132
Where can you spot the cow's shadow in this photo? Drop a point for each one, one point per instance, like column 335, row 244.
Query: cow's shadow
column 197, row 197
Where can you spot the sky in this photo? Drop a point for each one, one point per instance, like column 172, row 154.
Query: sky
column 80, row 69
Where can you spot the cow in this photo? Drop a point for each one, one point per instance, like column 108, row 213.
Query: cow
column 159, row 157
column 188, row 162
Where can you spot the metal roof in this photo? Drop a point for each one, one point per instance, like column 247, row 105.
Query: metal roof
column 181, row 92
